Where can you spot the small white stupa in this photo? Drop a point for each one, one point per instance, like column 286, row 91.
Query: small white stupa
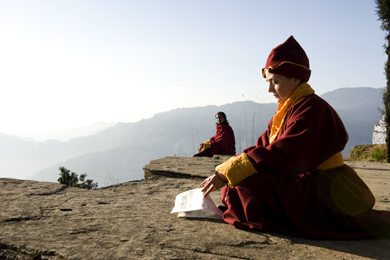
column 379, row 134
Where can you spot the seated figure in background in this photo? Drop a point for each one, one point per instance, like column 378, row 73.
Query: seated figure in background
column 222, row 142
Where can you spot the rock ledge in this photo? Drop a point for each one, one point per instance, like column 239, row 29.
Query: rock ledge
column 42, row 220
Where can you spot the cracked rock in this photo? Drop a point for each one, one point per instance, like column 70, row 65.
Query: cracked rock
column 42, row 220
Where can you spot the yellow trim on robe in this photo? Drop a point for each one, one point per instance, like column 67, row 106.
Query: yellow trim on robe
column 280, row 64
column 301, row 91
column 205, row 145
column 334, row 161
column 236, row 169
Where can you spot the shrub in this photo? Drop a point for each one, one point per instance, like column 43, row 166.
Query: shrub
column 369, row 153
column 378, row 154
column 71, row 179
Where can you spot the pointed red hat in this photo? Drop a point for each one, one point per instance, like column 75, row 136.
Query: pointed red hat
column 288, row 59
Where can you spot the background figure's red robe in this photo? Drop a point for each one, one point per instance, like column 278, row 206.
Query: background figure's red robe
column 222, row 142
column 290, row 196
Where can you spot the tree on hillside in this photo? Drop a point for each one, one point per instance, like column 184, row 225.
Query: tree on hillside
column 86, row 184
column 68, row 178
column 383, row 12
column 71, row 179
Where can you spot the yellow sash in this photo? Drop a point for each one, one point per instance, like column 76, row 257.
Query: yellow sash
column 335, row 160
column 301, row 91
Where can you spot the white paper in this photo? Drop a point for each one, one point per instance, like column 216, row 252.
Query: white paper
column 192, row 204
column 199, row 214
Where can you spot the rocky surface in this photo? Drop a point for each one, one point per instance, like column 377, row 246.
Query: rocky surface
column 42, row 220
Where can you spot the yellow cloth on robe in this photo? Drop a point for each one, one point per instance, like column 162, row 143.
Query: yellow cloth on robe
column 205, row 145
column 301, row 91
column 334, row 161
column 236, row 169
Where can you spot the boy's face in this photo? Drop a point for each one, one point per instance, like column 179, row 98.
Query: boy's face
column 280, row 86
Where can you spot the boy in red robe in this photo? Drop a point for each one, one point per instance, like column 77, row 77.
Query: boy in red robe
column 294, row 180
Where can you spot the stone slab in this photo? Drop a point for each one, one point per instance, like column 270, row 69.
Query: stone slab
column 132, row 221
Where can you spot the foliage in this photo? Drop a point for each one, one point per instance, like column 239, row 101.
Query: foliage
column 71, row 179
column 383, row 12
column 377, row 153
column 355, row 154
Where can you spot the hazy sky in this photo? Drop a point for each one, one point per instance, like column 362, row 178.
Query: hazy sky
column 68, row 63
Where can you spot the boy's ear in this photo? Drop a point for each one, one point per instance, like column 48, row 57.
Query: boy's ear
column 297, row 82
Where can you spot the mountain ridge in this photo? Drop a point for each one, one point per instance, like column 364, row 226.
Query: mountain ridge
column 117, row 153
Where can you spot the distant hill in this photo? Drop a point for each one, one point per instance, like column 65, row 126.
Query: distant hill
column 65, row 134
column 124, row 149
column 355, row 98
column 359, row 110
column 117, row 154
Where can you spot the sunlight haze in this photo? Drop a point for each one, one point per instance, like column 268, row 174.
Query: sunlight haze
column 72, row 63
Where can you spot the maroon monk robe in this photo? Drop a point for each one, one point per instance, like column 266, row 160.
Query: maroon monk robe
column 223, row 141
column 290, row 196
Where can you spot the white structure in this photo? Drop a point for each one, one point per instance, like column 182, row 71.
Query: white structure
column 379, row 135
